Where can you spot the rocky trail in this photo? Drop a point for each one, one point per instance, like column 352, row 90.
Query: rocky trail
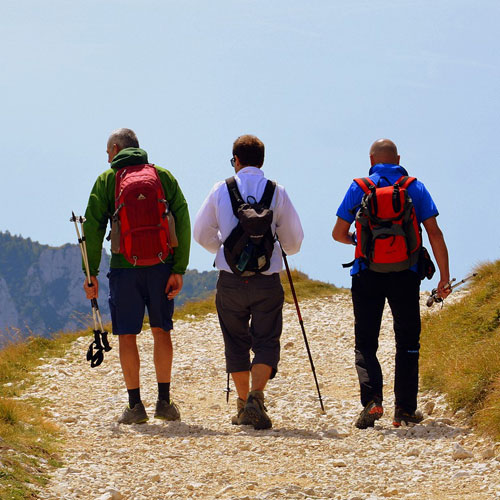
column 305, row 454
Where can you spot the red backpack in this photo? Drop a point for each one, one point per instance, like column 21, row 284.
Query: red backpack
column 388, row 234
column 142, row 226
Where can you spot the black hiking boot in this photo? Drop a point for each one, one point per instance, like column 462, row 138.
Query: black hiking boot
column 255, row 411
column 401, row 415
column 371, row 412
column 241, row 418
column 135, row 415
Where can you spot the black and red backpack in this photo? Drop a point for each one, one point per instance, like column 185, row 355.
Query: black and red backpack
column 142, row 224
column 388, row 234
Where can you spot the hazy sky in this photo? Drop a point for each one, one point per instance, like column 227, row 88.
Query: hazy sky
column 317, row 81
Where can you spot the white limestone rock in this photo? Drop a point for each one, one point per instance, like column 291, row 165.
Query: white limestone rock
column 460, row 453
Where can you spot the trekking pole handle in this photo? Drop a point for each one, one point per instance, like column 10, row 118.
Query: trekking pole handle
column 434, row 298
column 292, row 288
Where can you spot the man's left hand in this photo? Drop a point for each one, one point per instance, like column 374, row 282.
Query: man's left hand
column 174, row 285
column 443, row 288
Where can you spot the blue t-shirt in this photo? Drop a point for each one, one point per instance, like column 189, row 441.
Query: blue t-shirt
column 380, row 174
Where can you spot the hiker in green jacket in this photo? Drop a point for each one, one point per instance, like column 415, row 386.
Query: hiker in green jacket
column 133, row 286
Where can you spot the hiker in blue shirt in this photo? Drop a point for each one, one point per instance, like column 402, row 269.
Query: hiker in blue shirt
column 401, row 289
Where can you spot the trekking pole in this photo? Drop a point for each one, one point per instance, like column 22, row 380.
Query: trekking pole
column 301, row 324
column 100, row 341
column 227, row 390
column 434, row 297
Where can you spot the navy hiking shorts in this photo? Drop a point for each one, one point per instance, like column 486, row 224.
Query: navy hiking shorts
column 132, row 290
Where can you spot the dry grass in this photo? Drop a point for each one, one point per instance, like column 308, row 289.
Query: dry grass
column 305, row 288
column 25, row 432
column 460, row 353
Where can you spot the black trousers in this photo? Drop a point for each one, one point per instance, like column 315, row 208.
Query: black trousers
column 369, row 291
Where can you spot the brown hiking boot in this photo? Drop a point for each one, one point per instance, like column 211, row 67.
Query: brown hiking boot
column 240, row 418
column 255, row 411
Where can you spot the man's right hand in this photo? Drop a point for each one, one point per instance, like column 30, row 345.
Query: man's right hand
column 91, row 291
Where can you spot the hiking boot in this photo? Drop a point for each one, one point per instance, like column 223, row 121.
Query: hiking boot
column 167, row 411
column 371, row 412
column 135, row 415
column 241, row 418
column 255, row 411
column 401, row 415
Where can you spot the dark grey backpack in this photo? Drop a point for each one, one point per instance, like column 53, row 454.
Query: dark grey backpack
column 249, row 247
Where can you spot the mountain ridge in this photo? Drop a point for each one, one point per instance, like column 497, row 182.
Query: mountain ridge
column 41, row 288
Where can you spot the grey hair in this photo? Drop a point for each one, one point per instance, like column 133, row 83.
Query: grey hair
column 124, row 138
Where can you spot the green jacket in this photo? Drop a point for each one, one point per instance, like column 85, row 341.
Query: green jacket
column 101, row 206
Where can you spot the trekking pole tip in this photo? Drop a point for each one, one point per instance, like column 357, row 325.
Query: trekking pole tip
column 322, row 409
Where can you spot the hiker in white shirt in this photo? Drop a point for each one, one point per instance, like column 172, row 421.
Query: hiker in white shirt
column 249, row 303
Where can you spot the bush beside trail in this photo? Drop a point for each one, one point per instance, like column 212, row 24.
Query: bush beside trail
column 460, row 353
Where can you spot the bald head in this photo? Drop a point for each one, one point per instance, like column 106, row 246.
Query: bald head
column 384, row 151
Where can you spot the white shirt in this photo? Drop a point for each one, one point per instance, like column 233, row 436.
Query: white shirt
column 215, row 219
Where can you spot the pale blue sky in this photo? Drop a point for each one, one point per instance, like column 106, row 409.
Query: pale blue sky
column 317, row 81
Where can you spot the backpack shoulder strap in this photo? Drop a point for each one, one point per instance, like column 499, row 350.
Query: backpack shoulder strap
column 404, row 181
column 364, row 183
column 234, row 194
column 267, row 197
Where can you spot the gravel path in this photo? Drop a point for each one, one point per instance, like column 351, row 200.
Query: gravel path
column 305, row 454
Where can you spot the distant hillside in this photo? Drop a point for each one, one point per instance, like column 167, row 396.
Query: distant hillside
column 41, row 288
